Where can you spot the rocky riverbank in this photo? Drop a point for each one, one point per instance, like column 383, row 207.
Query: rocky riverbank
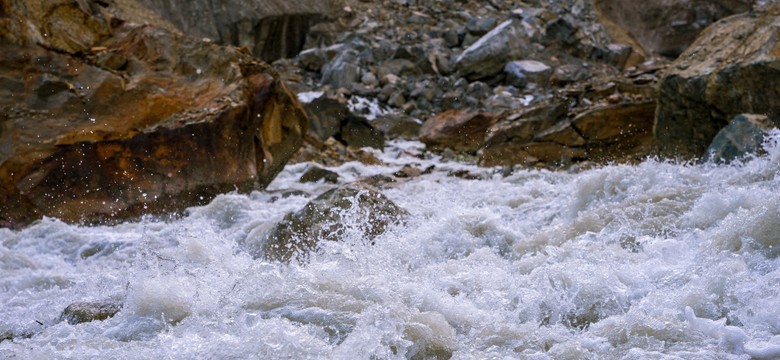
column 114, row 109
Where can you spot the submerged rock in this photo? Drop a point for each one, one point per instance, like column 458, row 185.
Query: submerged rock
column 744, row 135
column 331, row 216
column 732, row 68
column 316, row 173
column 107, row 119
column 81, row 312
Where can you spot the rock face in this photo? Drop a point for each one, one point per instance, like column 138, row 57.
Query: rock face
column 732, row 68
column 351, row 207
column 272, row 29
column 667, row 27
column 103, row 118
column 550, row 135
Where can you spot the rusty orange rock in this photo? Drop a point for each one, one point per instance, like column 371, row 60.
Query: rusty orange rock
column 153, row 122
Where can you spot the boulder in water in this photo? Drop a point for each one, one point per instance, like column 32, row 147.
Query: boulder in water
column 743, row 136
column 81, row 312
column 732, row 68
column 331, row 216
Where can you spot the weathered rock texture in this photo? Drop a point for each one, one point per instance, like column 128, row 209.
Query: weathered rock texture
column 272, row 29
column 615, row 129
column 100, row 118
column 732, row 68
column 665, row 27
column 332, row 216
column 743, row 136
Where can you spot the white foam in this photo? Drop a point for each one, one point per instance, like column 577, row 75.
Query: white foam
column 537, row 264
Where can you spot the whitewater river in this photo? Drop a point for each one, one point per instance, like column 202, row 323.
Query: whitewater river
column 649, row 261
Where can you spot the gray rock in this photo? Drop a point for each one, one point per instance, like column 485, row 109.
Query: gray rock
column 81, row 312
column 342, row 71
column 478, row 90
column 489, row 55
column 521, row 72
column 480, row 25
column 352, row 208
column 743, row 136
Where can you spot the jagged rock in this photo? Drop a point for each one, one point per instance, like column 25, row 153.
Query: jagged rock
column 81, row 312
column 105, row 119
column 520, row 138
column 744, row 135
column 546, row 134
column 458, row 130
column 271, row 29
column 489, row 55
column 316, row 173
column 665, row 27
column 343, row 70
column 732, row 68
column 521, row 72
column 349, row 208
column 617, row 132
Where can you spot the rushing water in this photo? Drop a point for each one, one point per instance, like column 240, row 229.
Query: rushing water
column 651, row 261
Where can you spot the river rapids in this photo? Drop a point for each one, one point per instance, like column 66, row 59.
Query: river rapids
column 659, row 260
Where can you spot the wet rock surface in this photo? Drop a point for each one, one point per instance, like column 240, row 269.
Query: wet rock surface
column 107, row 119
column 81, row 312
column 354, row 207
column 743, row 136
column 732, row 68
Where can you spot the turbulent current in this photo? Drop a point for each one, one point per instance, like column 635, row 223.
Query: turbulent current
column 658, row 260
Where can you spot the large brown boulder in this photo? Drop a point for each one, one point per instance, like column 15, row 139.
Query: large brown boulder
column 271, row 29
column 732, row 68
column 102, row 118
column 549, row 135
